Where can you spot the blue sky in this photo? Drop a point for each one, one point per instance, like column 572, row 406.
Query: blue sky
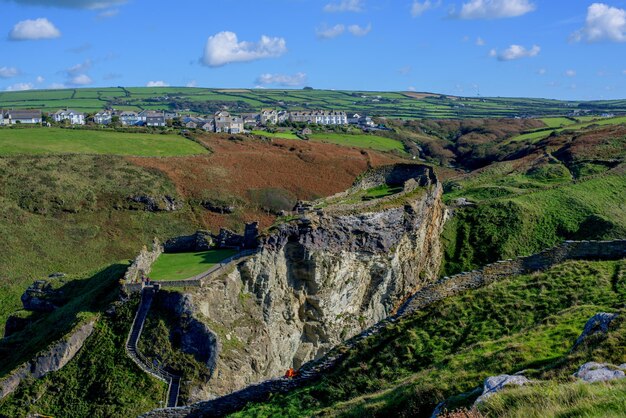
column 570, row 49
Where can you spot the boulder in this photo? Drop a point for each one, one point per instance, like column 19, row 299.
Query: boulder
column 600, row 372
column 599, row 323
column 40, row 297
column 218, row 208
column 495, row 384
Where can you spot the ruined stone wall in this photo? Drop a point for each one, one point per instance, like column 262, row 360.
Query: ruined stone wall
column 50, row 360
column 142, row 263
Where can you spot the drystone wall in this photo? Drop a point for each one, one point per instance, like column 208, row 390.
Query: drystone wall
column 50, row 360
column 446, row 287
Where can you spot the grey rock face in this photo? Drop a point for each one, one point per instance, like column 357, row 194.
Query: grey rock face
column 40, row 297
column 155, row 203
column 315, row 283
column 600, row 372
column 599, row 323
column 495, row 384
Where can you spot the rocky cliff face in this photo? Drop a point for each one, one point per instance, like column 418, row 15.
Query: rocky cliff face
column 316, row 282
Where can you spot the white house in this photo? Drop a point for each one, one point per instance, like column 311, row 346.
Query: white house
column 75, row 118
column 23, row 116
column 129, row 118
column 320, row 117
column 102, row 118
column 1, row 117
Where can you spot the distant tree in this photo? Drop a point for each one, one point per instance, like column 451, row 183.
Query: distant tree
column 308, row 88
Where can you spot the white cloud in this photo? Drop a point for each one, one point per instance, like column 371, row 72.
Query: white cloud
column 79, row 68
column 40, row 79
column 624, row 72
column 480, row 41
column 80, row 80
column 21, row 87
column 297, row 79
column 8, row 72
column 32, row 29
column 515, row 52
column 329, row 33
column 344, row 6
column 224, row 48
column 603, row 23
column 494, row 9
column 570, row 73
column 108, row 13
column 542, row 71
column 357, row 30
column 411, row 88
column 74, row 4
column 192, row 83
column 418, row 8
column 159, row 83
column 57, row 86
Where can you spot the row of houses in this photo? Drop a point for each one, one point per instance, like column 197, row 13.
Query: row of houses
column 221, row 121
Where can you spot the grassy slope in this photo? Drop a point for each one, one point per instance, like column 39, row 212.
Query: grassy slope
column 101, row 381
column 361, row 141
column 67, row 213
column 536, row 136
column 524, row 322
column 178, row 266
column 62, row 141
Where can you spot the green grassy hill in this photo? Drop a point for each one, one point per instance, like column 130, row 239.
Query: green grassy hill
column 445, row 351
column 390, row 104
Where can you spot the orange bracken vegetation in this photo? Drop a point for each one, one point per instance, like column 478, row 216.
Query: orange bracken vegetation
column 306, row 169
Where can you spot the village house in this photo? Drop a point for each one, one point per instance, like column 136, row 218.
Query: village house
column 74, row 117
column 320, row 117
column 154, row 118
column 224, row 122
column 129, row 118
column 250, row 120
column 268, row 117
column 102, row 118
column 22, row 116
column 1, row 117
column 361, row 120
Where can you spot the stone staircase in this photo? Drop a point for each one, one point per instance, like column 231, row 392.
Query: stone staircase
column 144, row 364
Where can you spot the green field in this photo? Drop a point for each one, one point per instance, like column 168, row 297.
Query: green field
column 374, row 142
column 557, row 122
column 537, row 135
column 388, row 104
column 179, row 266
column 280, row 135
column 78, row 141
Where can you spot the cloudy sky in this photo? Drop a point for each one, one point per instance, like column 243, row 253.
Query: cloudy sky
column 565, row 49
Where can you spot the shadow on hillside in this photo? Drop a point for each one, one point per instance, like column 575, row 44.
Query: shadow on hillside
column 82, row 299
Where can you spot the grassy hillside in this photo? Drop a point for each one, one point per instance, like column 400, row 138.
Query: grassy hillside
column 388, row 104
column 79, row 141
column 521, row 323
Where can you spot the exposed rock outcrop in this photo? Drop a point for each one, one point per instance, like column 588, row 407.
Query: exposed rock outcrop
column 155, row 203
column 15, row 323
column 317, row 281
column 600, row 372
column 495, row 384
column 599, row 323
column 52, row 359
column 41, row 297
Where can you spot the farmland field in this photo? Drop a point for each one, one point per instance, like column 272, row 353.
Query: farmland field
column 374, row 142
column 70, row 141
column 383, row 104
column 540, row 134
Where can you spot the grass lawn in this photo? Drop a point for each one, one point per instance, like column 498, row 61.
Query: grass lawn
column 538, row 135
column 179, row 266
column 68, row 141
column 374, row 142
column 281, row 135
